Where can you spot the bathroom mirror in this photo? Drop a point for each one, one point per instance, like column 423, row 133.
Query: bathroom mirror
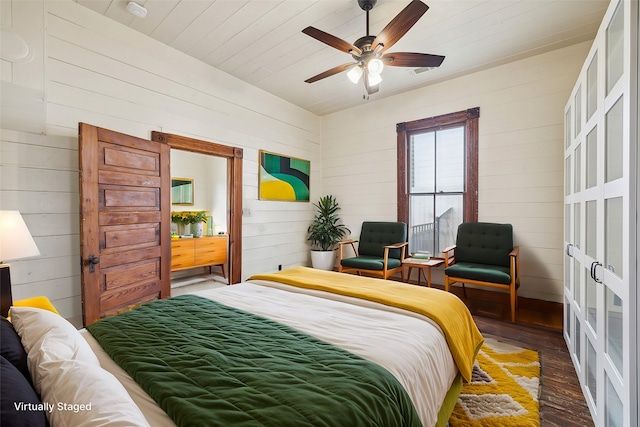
column 182, row 191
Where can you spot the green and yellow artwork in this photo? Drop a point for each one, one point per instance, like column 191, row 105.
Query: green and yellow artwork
column 283, row 178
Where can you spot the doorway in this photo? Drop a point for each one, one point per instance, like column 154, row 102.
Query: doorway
column 199, row 185
column 233, row 217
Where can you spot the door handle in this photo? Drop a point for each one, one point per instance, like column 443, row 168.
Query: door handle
column 568, row 250
column 594, row 266
column 93, row 260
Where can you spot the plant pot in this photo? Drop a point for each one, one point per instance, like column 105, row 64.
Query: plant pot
column 197, row 229
column 184, row 229
column 175, row 228
column 323, row 260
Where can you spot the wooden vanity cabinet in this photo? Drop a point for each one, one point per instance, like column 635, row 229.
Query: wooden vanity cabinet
column 198, row 252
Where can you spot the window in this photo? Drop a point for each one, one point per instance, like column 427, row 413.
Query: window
column 438, row 177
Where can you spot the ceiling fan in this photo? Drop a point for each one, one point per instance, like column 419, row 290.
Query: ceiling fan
column 368, row 51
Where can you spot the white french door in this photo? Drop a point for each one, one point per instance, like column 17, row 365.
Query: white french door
column 600, row 204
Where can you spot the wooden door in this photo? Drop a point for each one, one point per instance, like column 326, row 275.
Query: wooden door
column 125, row 217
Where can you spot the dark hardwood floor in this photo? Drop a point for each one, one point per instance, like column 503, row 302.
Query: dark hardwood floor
column 538, row 327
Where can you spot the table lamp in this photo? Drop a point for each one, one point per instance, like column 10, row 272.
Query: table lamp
column 15, row 243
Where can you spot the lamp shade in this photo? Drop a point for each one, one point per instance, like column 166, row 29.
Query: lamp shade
column 354, row 73
column 374, row 79
column 375, row 66
column 15, row 240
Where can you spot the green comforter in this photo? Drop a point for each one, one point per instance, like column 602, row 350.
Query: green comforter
column 207, row 364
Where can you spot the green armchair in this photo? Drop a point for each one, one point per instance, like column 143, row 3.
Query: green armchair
column 381, row 250
column 484, row 255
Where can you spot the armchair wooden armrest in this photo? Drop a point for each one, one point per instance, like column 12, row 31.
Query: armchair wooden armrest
column 449, row 255
column 398, row 245
column 345, row 242
column 514, row 256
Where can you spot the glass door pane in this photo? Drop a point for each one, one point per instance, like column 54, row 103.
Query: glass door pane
column 591, row 229
column 576, row 225
column 567, row 176
column 592, row 303
column 567, row 271
column 567, row 318
column 592, row 87
column 577, row 169
column 614, row 407
column 613, row 318
column 613, row 142
column 592, row 371
column 578, row 111
column 613, row 256
column 578, row 337
column 577, row 283
column 591, row 161
column 615, row 47
column 567, row 129
column 567, row 222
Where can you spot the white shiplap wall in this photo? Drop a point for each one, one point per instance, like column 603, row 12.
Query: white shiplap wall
column 520, row 154
column 86, row 68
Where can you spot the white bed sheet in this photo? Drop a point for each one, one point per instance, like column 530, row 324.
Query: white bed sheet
column 408, row 345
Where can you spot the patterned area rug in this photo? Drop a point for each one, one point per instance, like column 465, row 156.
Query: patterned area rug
column 504, row 389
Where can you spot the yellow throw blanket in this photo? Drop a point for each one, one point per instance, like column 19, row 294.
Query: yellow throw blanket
column 444, row 308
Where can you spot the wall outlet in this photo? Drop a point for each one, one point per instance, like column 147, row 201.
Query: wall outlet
column 279, row 267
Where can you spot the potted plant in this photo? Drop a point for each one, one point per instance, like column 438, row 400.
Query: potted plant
column 194, row 219
column 325, row 232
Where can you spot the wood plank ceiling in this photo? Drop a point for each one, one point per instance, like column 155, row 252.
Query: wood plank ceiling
column 260, row 41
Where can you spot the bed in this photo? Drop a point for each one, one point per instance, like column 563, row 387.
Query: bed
column 298, row 347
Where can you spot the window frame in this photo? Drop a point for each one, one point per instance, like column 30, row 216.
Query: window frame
column 469, row 119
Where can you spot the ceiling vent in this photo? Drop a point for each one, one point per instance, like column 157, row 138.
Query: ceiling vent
column 420, row 70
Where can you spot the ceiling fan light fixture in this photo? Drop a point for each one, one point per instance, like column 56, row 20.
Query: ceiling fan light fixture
column 374, row 79
column 355, row 73
column 375, row 66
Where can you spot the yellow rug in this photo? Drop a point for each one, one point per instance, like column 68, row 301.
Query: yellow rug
column 504, row 389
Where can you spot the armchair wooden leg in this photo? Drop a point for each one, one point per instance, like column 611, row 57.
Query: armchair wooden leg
column 464, row 290
column 514, row 302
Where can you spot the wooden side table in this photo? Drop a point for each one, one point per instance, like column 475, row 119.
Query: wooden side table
column 422, row 265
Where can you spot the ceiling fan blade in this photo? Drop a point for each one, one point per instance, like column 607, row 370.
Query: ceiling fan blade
column 400, row 25
column 332, row 41
column 410, row 59
column 328, row 73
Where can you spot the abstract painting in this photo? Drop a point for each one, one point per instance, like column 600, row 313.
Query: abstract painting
column 283, row 178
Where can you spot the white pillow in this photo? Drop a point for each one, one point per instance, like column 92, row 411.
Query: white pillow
column 67, row 374
column 80, row 394
column 51, row 335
